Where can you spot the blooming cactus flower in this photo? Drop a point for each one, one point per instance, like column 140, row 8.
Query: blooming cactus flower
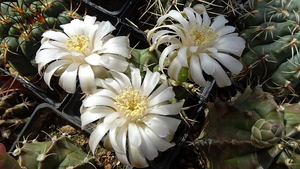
column 199, row 45
column 133, row 116
column 84, row 48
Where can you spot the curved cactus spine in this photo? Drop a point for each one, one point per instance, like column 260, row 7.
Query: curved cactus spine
column 22, row 24
column 252, row 131
column 56, row 153
column 271, row 30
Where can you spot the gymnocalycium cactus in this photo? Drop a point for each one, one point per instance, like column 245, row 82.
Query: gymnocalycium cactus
column 271, row 30
column 58, row 153
column 250, row 131
column 21, row 24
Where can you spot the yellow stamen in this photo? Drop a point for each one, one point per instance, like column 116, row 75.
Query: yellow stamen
column 132, row 104
column 78, row 43
column 204, row 36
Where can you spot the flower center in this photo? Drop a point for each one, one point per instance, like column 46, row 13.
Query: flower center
column 132, row 104
column 78, row 43
column 204, row 36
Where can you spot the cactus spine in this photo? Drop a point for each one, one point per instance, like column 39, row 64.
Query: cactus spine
column 21, row 24
column 271, row 29
column 250, row 131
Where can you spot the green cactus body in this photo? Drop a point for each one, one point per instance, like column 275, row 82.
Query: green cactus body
column 271, row 30
column 58, row 153
column 21, row 25
column 250, row 131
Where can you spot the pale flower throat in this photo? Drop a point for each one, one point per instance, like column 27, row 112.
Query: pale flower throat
column 203, row 36
column 132, row 104
column 78, row 43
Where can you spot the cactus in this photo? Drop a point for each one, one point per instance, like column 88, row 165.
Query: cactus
column 58, row 153
column 250, row 131
column 21, row 24
column 271, row 30
column 6, row 161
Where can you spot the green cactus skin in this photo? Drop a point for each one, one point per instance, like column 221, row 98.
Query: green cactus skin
column 21, row 25
column 58, row 153
column 250, row 131
column 6, row 161
column 271, row 30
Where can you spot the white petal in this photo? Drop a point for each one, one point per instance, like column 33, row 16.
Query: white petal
column 121, row 78
column 134, row 135
column 105, row 27
column 52, row 68
column 182, row 56
column 161, row 125
column 113, row 62
column 93, row 59
column 111, row 117
column 87, row 79
column 160, row 143
column 136, row 78
column 231, row 44
column 207, row 63
column 150, row 82
column 225, row 30
column 221, row 77
column 97, row 135
column 196, row 71
column 89, row 115
column 231, row 63
column 165, row 53
column 68, row 79
column 147, row 146
column 174, row 69
column 165, row 95
column 167, row 109
column 161, row 88
column 95, row 100
column 219, row 23
column 136, row 157
column 57, row 36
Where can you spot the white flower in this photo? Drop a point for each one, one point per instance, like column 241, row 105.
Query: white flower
column 133, row 116
column 200, row 45
column 84, row 48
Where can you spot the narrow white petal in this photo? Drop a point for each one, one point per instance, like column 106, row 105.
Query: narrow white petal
column 147, row 146
column 110, row 118
column 165, row 53
column 221, row 77
column 150, row 82
column 165, row 95
column 121, row 78
column 136, row 157
column 93, row 59
column 97, row 135
column 52, row 68
column 174, row 69
column 182, row 56
column 207, row 63
column 167, row 109
column 90, row 115
column 136, row 78
column 219, row 23
column 162, row 125
column 68, row 79
column 160, row 143
column 161, row 88
column 87, row 79
column 196, row 71
column 134, row 135
column 231, row 63
column 57, row 36
column 98, row 101
column 225, row 30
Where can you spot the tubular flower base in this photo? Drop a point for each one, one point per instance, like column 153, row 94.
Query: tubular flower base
column 196, row 44
column 130, row 109
column 86, row 49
